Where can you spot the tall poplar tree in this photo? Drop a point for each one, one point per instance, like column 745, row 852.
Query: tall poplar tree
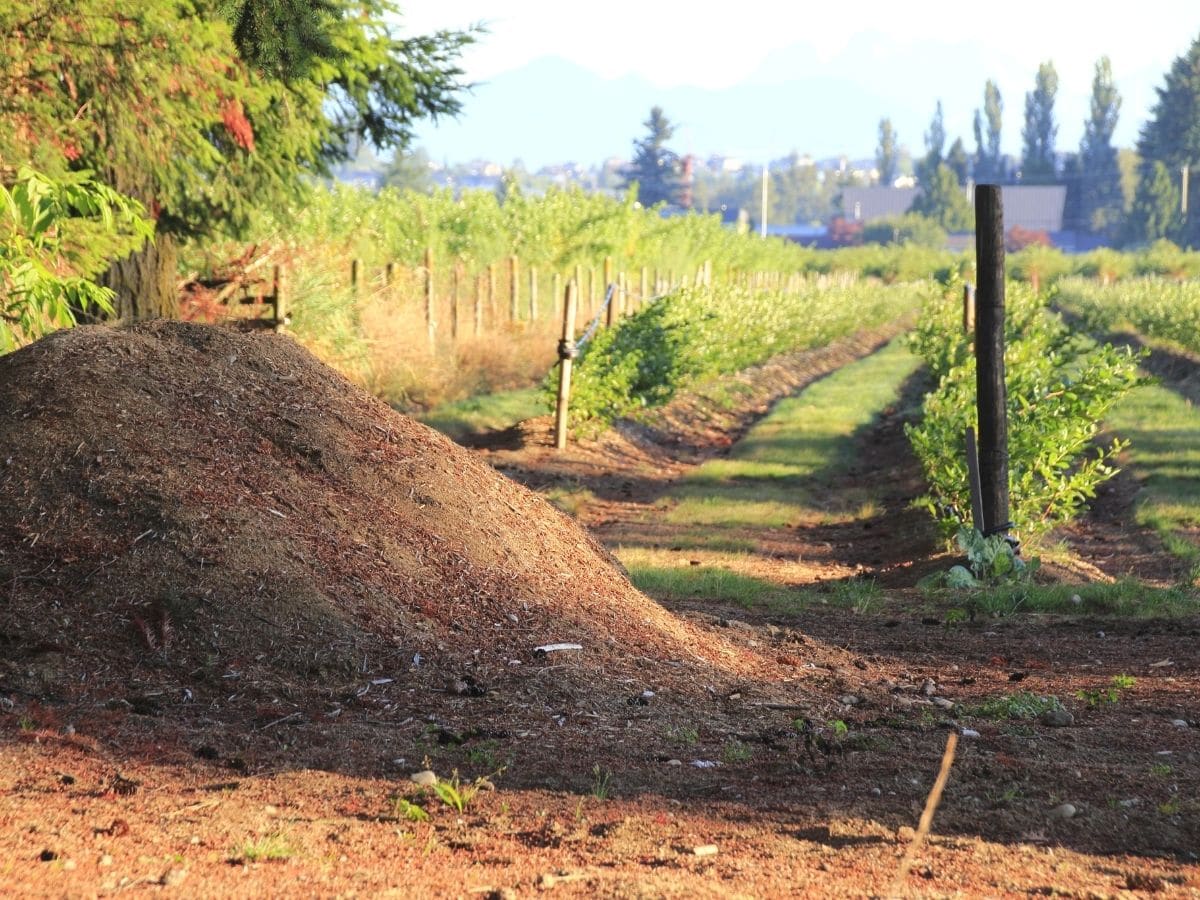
column 1040, row 131
column 989, row 161
column 1101, row 200
column 886, row 156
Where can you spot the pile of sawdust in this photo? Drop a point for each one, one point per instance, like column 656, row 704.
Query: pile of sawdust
column 188, row 502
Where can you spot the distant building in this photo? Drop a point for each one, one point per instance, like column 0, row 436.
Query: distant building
column 1034, row 207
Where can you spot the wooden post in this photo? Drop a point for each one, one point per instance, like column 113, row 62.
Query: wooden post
column 623, row 295
column 430, row 322
column 491, row 292
column 355, row 274
column 454, row 302
column 592, row 289
column 991, row 393
column 533, row 298
column 968, row 308
column 566, row 355
column 280, row 300
column 643, row 286
column 556, row 290
column 514, row 289
column 610, row 311
column 389, row 275
column 479, row 305
column 608, row 271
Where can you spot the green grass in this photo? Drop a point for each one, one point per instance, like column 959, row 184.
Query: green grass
column 1023, row 705
column 776, row 477
column 1125, row 598
column 771, row 478
column 272, row 846
column 1164, row 431
column 701, row 583
column 491, row 412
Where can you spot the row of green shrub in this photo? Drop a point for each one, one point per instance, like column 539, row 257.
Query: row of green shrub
column 1060, row 385
column 1156, row 307
column 698, row 332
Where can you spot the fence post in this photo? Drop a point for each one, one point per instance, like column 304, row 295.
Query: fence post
column 610, row 311
column 608, row 271
column 643, row 286
column 968, row 308
column 514, row 288
column 479, row 305
column 991, row 393
column 279, row 276
column 491, row 292
column 566, row 355
column 592, row 289
column 430, row 324
column 623, row 295
column 454, row 301
column 355, row 274
column 533, row 298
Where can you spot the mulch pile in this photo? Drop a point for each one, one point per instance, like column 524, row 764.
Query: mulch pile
column 191, row 509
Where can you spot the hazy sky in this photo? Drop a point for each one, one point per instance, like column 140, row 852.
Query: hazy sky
column 720, row 45
column 676, row 43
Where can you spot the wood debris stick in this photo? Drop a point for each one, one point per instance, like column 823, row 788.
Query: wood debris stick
column 931, row 805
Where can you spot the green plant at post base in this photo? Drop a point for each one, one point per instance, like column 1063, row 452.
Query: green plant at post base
column 1060, row 386
column 991, row 561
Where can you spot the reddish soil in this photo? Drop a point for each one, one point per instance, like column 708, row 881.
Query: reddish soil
column 244, row 601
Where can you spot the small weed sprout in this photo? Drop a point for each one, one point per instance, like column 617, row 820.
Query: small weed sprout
column 273, row 846
column 684, row 737
column 1161, row 770
column 736, row 752
column 839, row 728
column 454, row 793
column 600, row 782
column 1109, row 696
column 404, row 808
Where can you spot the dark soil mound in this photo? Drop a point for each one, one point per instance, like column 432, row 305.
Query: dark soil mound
column 188, row 504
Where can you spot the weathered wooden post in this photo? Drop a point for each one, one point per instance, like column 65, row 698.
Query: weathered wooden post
column 514, row 289
column 608, row 271
column 610, row 311
column 430, row 322
column 533, row 297
column 454, row 301
column 355, row 274
column 491, row 291
column 991, row 393
column 968, row 308
column 566, row 356
column 389, row 276
column 479, row 305
column 280, row 300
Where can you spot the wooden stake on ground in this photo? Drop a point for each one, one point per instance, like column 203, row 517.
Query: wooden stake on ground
column 991, row 393
column 566, row 355
column 931, row 805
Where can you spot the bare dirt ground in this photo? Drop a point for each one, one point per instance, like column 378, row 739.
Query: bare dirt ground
column 330, row 598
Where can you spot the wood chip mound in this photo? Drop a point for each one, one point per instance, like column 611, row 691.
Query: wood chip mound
column 205, row 509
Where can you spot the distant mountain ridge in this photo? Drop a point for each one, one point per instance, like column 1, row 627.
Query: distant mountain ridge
column 551, row 110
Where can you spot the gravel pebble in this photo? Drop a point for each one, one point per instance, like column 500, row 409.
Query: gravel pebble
column 1063, row 811
column 1057, row 718
column 424, row 778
